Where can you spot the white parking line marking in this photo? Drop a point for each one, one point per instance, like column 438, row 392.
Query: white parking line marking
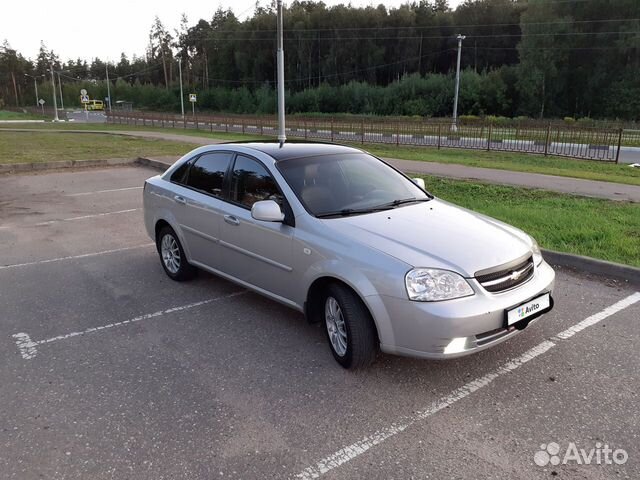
column 81, row 194
column 74, row 257
column 356, row 449
column 28, row 348
column 598, row 317
column 84, row 217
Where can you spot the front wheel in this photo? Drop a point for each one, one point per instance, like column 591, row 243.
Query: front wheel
column 172, row 256
column 349, row 328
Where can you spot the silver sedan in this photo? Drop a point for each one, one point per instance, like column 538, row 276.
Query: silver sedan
column 351, row 242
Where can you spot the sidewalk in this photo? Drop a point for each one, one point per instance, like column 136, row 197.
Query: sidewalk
column 576, row 186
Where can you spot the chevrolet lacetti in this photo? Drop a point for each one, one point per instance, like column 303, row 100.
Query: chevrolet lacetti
column 351, row 242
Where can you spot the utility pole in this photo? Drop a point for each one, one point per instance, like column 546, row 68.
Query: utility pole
column 106, row 69
column 35, row 85
column 282, row 137
column 454, row 126
column 60, row 88
column 53, row 90
column 181, row 93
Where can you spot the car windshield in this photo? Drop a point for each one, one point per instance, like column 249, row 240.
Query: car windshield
column 348, row 184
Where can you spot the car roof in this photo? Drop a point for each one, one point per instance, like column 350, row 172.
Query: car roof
column 293, row 149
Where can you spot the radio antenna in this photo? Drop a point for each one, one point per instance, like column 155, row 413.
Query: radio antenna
column 282, row 137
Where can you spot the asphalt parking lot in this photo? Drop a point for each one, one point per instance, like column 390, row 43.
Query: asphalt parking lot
column 109, row 370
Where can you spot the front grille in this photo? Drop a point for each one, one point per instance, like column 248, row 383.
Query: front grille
column 507, row 278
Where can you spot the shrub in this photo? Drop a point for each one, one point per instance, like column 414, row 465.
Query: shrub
column 468, row 119
column 585, row 122
column 498, row 120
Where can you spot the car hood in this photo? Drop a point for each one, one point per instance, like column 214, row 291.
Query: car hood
column 437, row 234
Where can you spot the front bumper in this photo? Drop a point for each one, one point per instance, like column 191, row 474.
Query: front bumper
column 454, row 328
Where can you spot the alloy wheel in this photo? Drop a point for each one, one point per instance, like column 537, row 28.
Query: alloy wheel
column 335, row 326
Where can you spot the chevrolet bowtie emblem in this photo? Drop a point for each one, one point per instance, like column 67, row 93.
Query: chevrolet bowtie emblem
column 514, row 276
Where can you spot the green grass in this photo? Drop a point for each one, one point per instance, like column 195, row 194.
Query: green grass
column 518, row 162
column 595, row 228
column 27, row 147
column 130, row 128
column 6, row 115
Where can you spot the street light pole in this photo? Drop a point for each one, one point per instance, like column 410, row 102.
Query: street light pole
column 282, row 137
column 454, row 126
column 106, row 69
column 53, row 90
column 181, row 93
column 60, row 88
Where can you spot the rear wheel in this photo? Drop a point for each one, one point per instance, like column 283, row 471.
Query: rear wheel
column 172, row 256
column 349, row 328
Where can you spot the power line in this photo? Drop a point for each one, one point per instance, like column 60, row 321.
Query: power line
column 461, row 26
column 134, row 74
column 374, row 67
column 428, row 27
column 416, row 37
column 558, row 48
column 333, row 75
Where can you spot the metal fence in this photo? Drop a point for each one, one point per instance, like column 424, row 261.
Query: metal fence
column 592, row 143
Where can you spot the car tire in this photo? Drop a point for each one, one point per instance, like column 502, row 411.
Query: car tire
column 349, row 328
column 172, row 256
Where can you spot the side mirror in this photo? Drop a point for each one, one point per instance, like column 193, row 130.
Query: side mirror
column 419, row 182
column 267, row 211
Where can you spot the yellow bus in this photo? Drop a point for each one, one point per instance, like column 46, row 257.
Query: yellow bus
column 94, row 105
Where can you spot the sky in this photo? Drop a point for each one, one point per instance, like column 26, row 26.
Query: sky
column 87, row 29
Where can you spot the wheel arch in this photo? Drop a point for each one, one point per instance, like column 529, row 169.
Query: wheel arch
column 160, row 224
column 313, row 306
column 162, row 221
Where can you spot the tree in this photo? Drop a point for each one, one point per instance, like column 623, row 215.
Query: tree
column 540, row 59
column 13, row 66
column 160, row 45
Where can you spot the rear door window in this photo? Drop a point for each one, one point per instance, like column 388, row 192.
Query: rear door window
column 208, row 172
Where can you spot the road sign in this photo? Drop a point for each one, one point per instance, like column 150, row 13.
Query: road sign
column 41, row 101
column 83, row 92
column 84, row 98
column 192, row 97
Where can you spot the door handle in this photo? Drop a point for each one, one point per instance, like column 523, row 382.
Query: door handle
column 231, row 220
column 180, row 200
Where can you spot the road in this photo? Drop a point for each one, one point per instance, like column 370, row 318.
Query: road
column 80, row 116
column 109, row 370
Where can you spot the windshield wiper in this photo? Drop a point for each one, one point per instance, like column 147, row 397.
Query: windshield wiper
column 402, row 201
column 345, row 212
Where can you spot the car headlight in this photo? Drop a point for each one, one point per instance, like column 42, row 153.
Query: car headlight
column 537, row 254
column 432, row 285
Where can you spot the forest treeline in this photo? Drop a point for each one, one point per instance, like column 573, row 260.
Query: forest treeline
column 535, row 58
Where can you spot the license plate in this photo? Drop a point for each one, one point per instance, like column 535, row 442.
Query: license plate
column 528, row 309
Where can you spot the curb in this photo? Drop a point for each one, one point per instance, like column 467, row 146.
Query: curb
column 34, row 167
column 149, row 162
column 593, row 266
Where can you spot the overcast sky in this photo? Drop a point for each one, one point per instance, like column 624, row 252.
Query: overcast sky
column 88, row 29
